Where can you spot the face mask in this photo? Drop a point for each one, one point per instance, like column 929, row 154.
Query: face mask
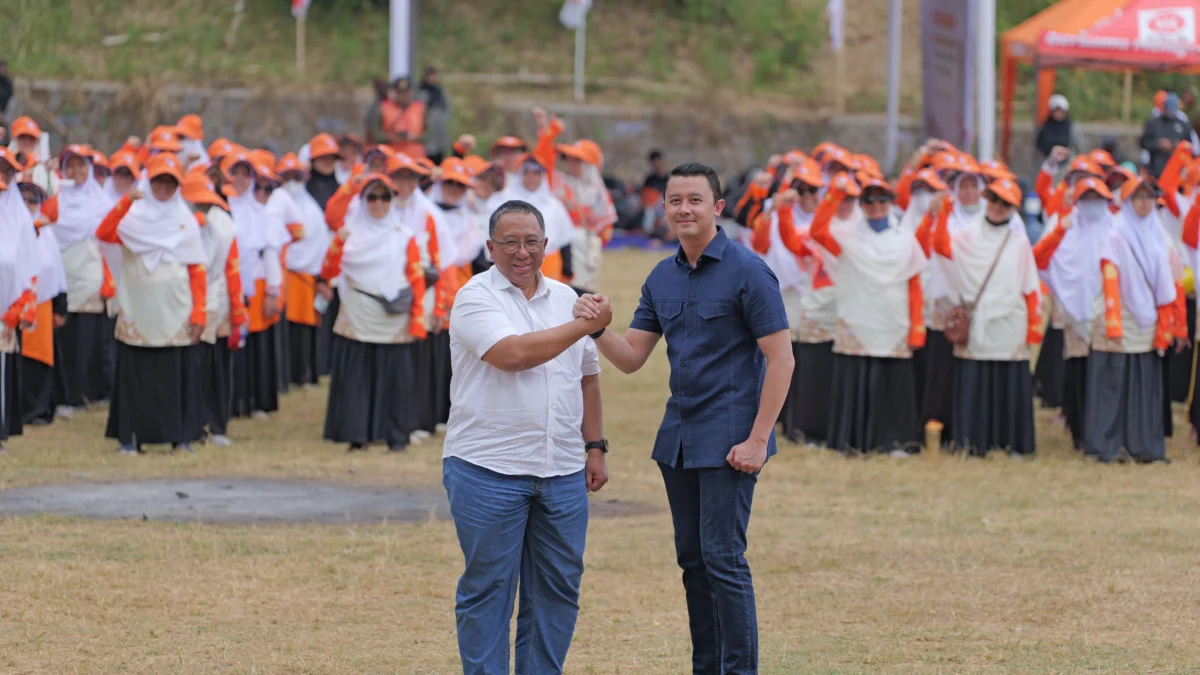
column 1091, row 211
column 1003, row 223
column 293, row 187
column 920, row 202
column 971, row 210
column 878, row 224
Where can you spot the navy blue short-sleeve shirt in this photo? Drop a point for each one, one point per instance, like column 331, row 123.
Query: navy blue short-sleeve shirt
column 711, row 317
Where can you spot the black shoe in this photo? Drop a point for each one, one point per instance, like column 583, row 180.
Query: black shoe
column 357, row 447
column 397, row 448
column 183, row 447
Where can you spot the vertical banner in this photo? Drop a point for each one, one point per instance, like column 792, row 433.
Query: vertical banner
column 402, row 39
column 948, row 55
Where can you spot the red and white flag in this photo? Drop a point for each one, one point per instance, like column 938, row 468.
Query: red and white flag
column 300, row 8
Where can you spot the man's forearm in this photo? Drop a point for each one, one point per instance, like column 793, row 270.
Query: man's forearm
column 774, row 391
column 619, row 352
column 522, row 352
column 593, row 415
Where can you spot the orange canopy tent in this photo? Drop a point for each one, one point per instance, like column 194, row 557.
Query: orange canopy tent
column 1100, row 35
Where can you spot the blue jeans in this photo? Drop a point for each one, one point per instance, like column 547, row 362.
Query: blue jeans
column 509, row 526
column 710, row 509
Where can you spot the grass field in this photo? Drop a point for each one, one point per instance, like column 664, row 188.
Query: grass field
column 931, row 565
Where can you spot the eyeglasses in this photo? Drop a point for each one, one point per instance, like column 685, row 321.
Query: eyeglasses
column 804, row 189
column 267, row 189
column 877, row 199
column 511, row 247
column 376, row 197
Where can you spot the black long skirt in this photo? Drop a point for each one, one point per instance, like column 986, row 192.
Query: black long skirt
column 37, row 391
column 1180, row 378
column 937, row 401
column 325, row 335
column 1124, row 407
column 255, row 380
column 993, row 408
column 872, row 408
column 431, row 382
column 1170, row 363
column 283, row 361
column 213, row 369
column 370, row 393
column 806, row 410
column 1075, row 397
column 156, row 398
column 11, row 422
column 302, row 353
column 85, row 361
column 1048, row 374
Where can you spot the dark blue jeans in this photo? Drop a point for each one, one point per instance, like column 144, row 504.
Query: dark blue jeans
column 509, row 526
column 710, row 509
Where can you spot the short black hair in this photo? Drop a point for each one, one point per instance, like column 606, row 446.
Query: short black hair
column 514, row 206
column 697, row 169
column 655, row 155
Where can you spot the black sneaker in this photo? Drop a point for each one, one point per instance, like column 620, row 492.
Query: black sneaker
column 357, row 447
column 397, row 448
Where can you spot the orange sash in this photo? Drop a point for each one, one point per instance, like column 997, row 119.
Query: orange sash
column 301, row 293
column 38, row 344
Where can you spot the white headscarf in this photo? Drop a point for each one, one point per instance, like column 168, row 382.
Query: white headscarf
column 19, row 259
column 162, row 231
column 1074, row 272
column 884, row 258
column 248, row 214
column 559, row 227
column 375, row 257
column 306, row 254
column 1139, row 248
column 976, row 247
column 80, row 210
column 787, row 266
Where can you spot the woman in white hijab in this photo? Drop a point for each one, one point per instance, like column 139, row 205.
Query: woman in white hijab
column 38, row 349
column 781, row 237
column 85, row 340
column 306, row 221
column 19, row 265
column 1068, row 258
column 379, row 322
column 991, row 272
column 531, row 185
column 1134, row 321
column 879, row 311
column 162, row 310
column 261, row 236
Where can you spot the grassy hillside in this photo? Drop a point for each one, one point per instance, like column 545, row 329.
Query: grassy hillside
column 757, row 54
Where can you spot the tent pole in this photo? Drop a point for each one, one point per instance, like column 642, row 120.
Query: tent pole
column 1127, row 101
column 1037, row 94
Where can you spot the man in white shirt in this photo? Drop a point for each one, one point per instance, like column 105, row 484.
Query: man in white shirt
column 524, row 446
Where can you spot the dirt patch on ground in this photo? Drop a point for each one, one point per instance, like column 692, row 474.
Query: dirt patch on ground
column 247, row 501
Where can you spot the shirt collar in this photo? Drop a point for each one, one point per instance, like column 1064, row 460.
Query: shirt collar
column 500, row 281
column 714, row 250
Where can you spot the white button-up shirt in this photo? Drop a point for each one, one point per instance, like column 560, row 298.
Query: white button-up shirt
column 526, row 423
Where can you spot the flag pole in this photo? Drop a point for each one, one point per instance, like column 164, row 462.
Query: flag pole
column 300, row 44
column 580, row 51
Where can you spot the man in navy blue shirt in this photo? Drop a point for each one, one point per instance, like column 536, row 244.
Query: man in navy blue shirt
column 718, row 306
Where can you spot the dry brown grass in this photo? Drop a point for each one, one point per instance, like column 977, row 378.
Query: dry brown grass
column 934, row 565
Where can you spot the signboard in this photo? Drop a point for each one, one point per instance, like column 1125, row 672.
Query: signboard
column 948, row 70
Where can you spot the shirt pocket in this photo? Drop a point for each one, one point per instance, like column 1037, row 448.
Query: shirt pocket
column 716, row 311
column 668, row 310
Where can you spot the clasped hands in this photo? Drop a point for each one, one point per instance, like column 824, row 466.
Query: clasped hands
column 594, row 309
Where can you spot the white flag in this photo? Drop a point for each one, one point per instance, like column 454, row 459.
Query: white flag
column 574, row 12
column 835, row 11
column 300, row 8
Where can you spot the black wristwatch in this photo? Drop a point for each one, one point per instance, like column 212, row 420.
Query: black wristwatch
column 601, row 445
column 597, row 334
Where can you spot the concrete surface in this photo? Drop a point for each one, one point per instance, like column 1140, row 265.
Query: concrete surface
column 247, row 501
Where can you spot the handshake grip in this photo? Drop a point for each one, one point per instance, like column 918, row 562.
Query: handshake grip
column 594, row 310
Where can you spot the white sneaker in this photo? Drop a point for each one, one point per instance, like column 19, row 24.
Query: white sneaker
column 259, row 415
column 415, row 438
column 308, row 386
column 441, row 428
column 899, row 454
column 220, row 441
column 64, row 411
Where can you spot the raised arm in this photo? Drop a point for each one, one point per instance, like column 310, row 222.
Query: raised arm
column 1043, row 251
column 823, row 218
column 941, row 231
column 107, row 232
column 792, row 239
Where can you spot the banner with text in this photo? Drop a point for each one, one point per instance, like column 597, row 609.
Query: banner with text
column 948, row 70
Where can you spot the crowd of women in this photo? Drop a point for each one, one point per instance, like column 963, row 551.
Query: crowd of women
column 915, row 306
column 186, row 283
